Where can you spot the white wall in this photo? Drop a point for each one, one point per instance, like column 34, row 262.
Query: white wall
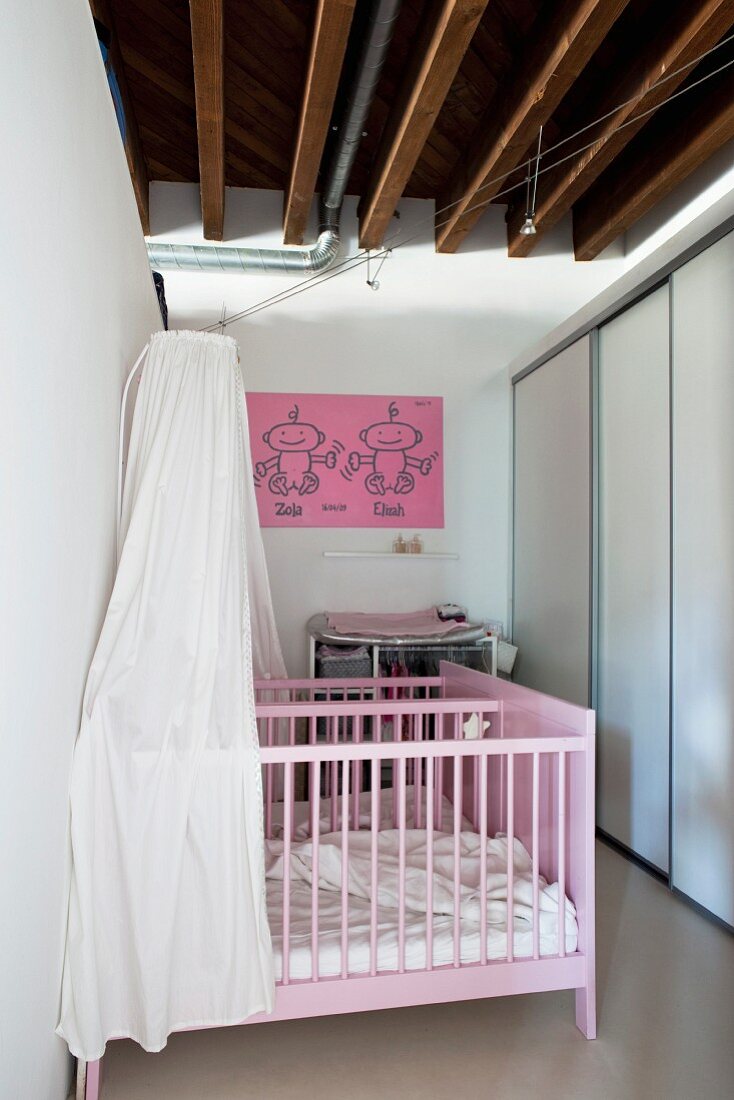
column 77, row 304
column 439, row 325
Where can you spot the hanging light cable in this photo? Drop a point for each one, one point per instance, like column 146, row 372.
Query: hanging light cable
column 527, row 229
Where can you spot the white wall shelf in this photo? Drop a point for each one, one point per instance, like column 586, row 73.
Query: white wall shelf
column 387, row 554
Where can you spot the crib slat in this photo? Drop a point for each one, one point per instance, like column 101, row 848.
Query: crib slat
column 269, row 768
column 401, row 865
column 536, row 854
column 315, row 840
column 335, row 778
column 429, row 863
column 475, row 787
column 438, row 792
column 457, row 766
column 410, row 764
column 562, row 854
column 345, row 869
column 417, row 776
column 510, row 857
column 287, row 833
column 483, row 859
column 374, row 881
column 357, row 772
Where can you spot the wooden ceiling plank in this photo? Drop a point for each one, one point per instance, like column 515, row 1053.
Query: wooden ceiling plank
column 254, row 76
column 271, row 127
column 160, row 172
column 161, row 117
column 475, row 70
column 464, row 99
column 285, row 18
column 493, row 42
column 173, row 126
column 154, row 102
column 144, row 13
column 241, row 127
column 438, row 154
column 423, row 183
column 167, row 151
column 159, row 76
column 239, row 82
column 207, row 40
column 331, row 31
column 140, row 30
column 690, row 31
column 448, row 30
column 137, row 167
column 646, row 172
column 276, row 63
column 249, row 169
column 562, row 41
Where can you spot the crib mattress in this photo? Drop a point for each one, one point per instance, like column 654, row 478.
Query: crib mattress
column 359, row 864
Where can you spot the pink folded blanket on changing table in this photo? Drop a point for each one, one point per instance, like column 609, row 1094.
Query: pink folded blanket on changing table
column 401, row 625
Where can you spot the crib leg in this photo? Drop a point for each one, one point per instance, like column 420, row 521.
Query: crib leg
column 88, row 1080
column 586, row 1011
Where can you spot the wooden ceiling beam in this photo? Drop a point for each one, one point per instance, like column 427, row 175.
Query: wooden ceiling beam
column 676, row 144
column 133, row 146
column 691, row 30
column 326, row 57
column 207, row 41
column 561, row 43
column 448, row 29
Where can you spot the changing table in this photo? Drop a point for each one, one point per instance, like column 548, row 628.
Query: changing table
column 467, row 639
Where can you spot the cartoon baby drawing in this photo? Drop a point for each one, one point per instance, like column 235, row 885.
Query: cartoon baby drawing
column 295, row 443
column 389, row 443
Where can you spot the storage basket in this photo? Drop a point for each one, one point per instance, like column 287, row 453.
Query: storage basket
column 345, row 664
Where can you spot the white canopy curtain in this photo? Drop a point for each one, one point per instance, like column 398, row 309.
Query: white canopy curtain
column 167, row 923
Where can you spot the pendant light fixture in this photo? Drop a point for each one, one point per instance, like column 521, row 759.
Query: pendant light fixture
column 527, row 229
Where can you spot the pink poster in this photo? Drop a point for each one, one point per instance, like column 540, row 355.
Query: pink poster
column 345, row 460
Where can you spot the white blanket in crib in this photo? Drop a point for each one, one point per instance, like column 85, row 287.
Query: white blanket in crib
column 359, row 899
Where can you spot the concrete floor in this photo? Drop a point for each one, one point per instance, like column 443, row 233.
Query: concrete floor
column 666, row 1030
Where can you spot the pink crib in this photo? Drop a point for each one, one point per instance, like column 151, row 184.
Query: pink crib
column 392, row 879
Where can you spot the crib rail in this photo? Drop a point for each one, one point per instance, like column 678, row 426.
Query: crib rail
column 518, row 786
column 334, row 689
column 388, row 750
column 352, row 708
column 350, row 682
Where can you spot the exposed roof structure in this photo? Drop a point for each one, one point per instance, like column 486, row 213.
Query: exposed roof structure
column 241, row 93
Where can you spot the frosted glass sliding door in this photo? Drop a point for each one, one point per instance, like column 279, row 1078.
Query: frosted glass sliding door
column 551, row 525
column 703, row 579
column 633, row 639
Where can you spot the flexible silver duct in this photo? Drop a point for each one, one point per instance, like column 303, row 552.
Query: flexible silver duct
column 285, row 261
column 321, row 255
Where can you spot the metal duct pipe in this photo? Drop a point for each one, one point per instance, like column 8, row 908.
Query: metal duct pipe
column 248, row 261
column 321, row 255
column 377, row 38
